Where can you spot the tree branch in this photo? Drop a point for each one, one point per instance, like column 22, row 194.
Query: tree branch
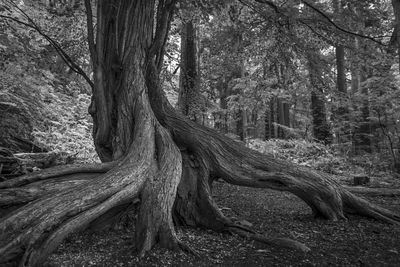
column 340, row 28
column 278, row 10
column 90, row 37
column 165, row 11
column 271, row 4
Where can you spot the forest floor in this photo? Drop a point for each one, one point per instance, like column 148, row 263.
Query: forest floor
column 357, row 242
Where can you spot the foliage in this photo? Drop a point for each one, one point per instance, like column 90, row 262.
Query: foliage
column 321, row 157
column 33, row 78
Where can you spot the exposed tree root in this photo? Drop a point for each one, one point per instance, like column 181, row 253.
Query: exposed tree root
column 27, row 193
column 195, row 206
column 242, row 166
column 58, row 171
column 356, row 205
column 276, row 242
column 387, row 192
column 30, row 233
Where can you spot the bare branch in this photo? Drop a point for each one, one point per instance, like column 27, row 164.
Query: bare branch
column 279, row 10
column 340, row 28
column 90, row 37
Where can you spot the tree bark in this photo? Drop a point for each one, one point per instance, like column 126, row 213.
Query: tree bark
column 189, row 100
column 396, row 10
column 342, row 116
column 321, row 128
column 362, row 131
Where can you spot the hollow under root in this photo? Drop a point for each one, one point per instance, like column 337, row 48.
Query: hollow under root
column 194, row 206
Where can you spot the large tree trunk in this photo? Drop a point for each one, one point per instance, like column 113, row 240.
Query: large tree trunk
column 125, row 129
column 146, row 131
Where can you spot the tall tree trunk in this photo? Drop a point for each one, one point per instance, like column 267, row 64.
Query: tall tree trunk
column 270, row 120
column 321, row 128
column 362, row 137
column 280, row 118
column 241, row 123
column 286, row 115
column 341, row 69
column 189, row 100
column 224, row 92
column 267, row 124
column 396, row 10
column 362, row 130
column 341, row 115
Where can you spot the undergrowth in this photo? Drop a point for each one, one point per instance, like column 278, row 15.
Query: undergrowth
column 321, row 157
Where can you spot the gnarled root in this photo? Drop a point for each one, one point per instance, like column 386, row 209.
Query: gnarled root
column 242, row 166
column 276, row 242
column 30, row 233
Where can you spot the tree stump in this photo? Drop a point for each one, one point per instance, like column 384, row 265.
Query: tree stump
column 10, row 166
column 361, row 180
column 16, row 128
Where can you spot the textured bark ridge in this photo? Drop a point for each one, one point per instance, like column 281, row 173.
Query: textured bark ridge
column 160, row 157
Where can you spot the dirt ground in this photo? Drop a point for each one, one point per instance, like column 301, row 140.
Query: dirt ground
column 357, row 242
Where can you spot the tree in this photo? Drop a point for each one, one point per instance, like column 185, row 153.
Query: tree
column 149, row 151
column 189, row 101
column 341, row 84
column 396, row 9
column 359, row 74
column 321, row 128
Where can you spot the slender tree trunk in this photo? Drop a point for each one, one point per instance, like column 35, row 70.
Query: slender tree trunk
column 362, row 129
column 286, row 114
column 224, row 92
column 362, row 138
column 341, row 113
column 342, row 110
column 241, row 123
column 280, row 118
column 321, row 128
column 396, row 10
column 267, row 124
column 341, row 69
column 270, row 119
